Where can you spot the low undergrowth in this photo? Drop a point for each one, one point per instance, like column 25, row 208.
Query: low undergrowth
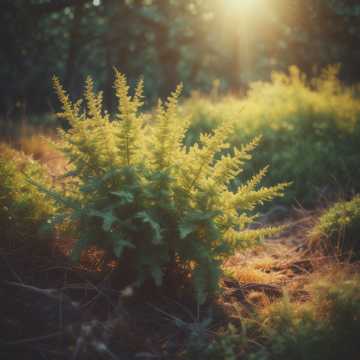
column 303, row 306
column 338, row 229
column 24, row 210
column 324, row 326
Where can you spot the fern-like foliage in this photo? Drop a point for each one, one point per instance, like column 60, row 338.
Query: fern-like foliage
column 138, row 192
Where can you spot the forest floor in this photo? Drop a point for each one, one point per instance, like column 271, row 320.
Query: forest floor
column 56, row 310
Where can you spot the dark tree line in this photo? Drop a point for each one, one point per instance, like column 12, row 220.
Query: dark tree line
column 166, row 42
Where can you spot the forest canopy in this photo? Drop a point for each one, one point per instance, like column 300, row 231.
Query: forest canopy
column 167, row 42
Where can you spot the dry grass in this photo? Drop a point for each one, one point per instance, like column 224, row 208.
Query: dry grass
column 282, row 266
column 35, row 141
column 41, row 147
column 272, row 263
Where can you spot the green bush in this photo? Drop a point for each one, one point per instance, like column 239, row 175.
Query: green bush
column 326, row 327
column 137, row 192
column 338, row 228
column 310, row 130
column 23, row 209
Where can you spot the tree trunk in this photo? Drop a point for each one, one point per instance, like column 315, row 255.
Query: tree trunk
column 75, row 35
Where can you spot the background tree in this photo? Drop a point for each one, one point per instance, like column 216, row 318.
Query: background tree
column 166, row 41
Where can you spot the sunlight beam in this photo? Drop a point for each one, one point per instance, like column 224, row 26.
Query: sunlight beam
column 244, row 6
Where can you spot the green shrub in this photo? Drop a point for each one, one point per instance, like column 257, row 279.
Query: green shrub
column 310, row 129
column 326, row 327
column 339, row 228
column 137, row 192
column 23, row 209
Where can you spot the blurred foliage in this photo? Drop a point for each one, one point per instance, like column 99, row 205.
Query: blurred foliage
column 310, row 131
column 24, row 210
column 338, row 228
column 167, row 41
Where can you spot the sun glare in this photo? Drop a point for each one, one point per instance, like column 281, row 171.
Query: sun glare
column 244, row 6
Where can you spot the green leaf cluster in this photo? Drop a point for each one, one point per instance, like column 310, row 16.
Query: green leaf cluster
column 158, row 206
